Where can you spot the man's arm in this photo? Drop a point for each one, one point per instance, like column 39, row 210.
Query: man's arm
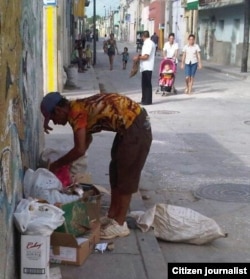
column 81, row 143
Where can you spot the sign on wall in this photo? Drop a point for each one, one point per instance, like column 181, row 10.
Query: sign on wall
column 192, row 4
column 50, row 2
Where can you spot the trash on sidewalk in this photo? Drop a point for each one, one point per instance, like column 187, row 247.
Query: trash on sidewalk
column 66, row 174
column 36, row 221
column 106, row 246
column 43, row 184
column 178, row 224
column 35, row 257
column 79, row 214
column 35, row 218
column 55, row 273
column 68, row 249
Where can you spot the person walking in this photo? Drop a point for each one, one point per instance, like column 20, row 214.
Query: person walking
column 88, row 54
column 109, row 112
column 170, row 51
column 155, row 39
column 125, row 57
column 170, row 48
column 147, row 59
column 111, row 48
column 192, row 60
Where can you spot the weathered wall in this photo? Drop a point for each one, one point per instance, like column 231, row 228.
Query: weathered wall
column 20, row 94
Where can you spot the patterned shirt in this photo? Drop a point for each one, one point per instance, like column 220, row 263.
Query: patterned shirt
column 109, row 112
column 191, row 53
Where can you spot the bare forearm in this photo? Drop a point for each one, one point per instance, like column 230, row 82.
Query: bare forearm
column 183, row 58
column 143, row 57
column 67, row 159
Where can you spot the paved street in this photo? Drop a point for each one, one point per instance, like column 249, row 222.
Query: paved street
column 199, row 140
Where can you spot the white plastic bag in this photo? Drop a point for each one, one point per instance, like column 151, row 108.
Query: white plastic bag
column 178, row 224
column 43, row 184
column 34, row 218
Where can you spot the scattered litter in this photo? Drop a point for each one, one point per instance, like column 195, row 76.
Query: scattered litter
column 178, row 224
column 55, row 273
column 102, row 247
column 43, row 184
column 111, row 246
column 145, row 197
column 36, row 218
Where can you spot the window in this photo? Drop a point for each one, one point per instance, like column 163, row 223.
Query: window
column 221, row 25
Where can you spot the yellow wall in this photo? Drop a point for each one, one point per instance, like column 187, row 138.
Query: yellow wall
column 50, row 49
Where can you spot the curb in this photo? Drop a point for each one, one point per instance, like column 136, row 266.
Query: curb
column 243, row 76
column 152, row 257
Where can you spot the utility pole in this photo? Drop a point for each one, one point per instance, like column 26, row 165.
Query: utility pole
column 246, row 36
column 94, row 32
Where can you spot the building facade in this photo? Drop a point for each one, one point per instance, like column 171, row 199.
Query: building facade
column 220, row 30
column 21, row 90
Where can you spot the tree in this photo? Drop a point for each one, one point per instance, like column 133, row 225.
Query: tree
column 90, row 19
column 246, row 36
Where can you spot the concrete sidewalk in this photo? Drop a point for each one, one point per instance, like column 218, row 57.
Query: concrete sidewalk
column 137, row 256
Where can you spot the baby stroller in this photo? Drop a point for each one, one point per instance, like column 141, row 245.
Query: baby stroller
column 167, row 74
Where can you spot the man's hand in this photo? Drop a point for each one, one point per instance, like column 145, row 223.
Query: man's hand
column 47, row 128
column 136, row 58
column 53, row 167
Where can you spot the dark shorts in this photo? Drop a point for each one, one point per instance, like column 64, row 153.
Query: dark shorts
column 111, row 53
column 190, row 69
column 129, row 153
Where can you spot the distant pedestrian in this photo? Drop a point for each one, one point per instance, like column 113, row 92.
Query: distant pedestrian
column 111, row 47
column 192, row 60
column 155, row 39
column 88, row 54
column 83, row 41
column 125, row 57
column 170, row 51
column 170, row 48
column 147, row 59
column 105, row 47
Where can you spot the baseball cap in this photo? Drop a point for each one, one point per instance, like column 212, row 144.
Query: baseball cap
column 48, row 104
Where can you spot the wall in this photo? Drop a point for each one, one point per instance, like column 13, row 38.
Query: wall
column 20, row 126
column 179, row 23
column 221, row 32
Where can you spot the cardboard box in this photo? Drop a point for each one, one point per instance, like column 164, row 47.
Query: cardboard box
column 35, row 256
column 81, row 213
column 68, row 249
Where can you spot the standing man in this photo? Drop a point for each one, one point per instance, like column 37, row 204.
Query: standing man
column 109, row 112
column 147, row 59
column 155, row 39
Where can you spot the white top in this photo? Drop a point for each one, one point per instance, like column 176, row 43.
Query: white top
column 149, row 49
column 170, row 49
column 191, row 53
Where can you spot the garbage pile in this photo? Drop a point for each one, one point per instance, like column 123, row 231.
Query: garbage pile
column 59, row 211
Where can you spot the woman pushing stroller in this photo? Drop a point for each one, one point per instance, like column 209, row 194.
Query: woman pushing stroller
column 170, row 51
